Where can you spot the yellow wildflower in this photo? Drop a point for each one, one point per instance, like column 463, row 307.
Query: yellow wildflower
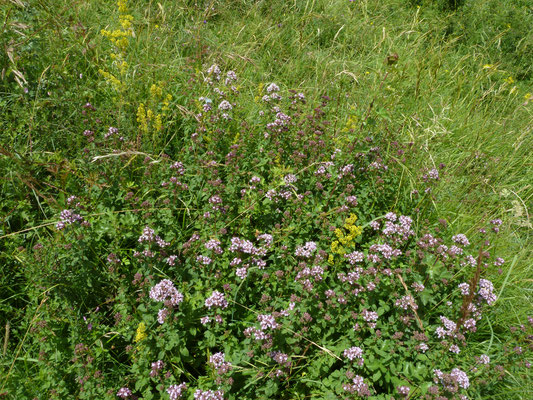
column 140, row 334
column 158, row 124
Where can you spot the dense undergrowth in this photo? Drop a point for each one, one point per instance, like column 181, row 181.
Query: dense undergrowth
column 266, row 199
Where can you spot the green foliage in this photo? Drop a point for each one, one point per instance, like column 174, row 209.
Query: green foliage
column 420, row 111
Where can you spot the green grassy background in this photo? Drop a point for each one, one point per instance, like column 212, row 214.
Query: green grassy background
column 460, row 90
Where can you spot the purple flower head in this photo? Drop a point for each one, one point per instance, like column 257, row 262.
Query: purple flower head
column 272, row 88
column 217, row 360
column 267, row 238
column 162, row 315
column 110, row 132
column 176, row 391
column 124, row 392
column 157, row 366
column 290, row 178
column 149, row 236
column 406, row 301
column 403, row 390
column 484, row 359
column 203, row 260
column 267, row 321
column 68, row 217
column 499, row 262
column 242, row 272
column 165, row 292
column 464, row 288
column 454, row 349
column 486, row 291
column 208, row 395
column 456, row 378
column 354, row 353
column 214, row 70
column 461, row 239
column 369, row 316
column 305, row 250
column 280, row 358
column 231, row 76
column 433, row 174
column 355, row 257
column 214, row 245
column 216, row 299
column 358, row 386
column 225, row 105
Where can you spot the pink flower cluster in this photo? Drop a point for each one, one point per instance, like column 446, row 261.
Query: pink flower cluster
column 352, row 277
column 149, row 236
column 280, row 358
column 218, row 362
column 244, row 246
column 307, row 274
column 175, row 392
column 124, row 392
column 165, row 292
column 157, row 366
column 386, row 250
column 357, row 386
column 486, row 291
column 461, row 239
column 214, row 245
column 306, row 250
column 449, row 329
column 402, row 230
column 403, row 390
column 267, row 321
column 69, row 217
column 217, row 299
column 355, row 257
column 406, row 301
column 208, row 395
column 354, row 353
column 456, row 378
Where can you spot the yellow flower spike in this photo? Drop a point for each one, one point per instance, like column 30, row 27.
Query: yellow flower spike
column 158, row 124
column 122, row 6
column 141, row 117
column 123, row 67
column 156, row 91
column 140, row 334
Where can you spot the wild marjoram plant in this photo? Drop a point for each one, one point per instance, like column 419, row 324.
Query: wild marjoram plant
column 278, row 251
column 269, row 288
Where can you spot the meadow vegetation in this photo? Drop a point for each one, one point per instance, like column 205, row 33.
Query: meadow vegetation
column 266, row 199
